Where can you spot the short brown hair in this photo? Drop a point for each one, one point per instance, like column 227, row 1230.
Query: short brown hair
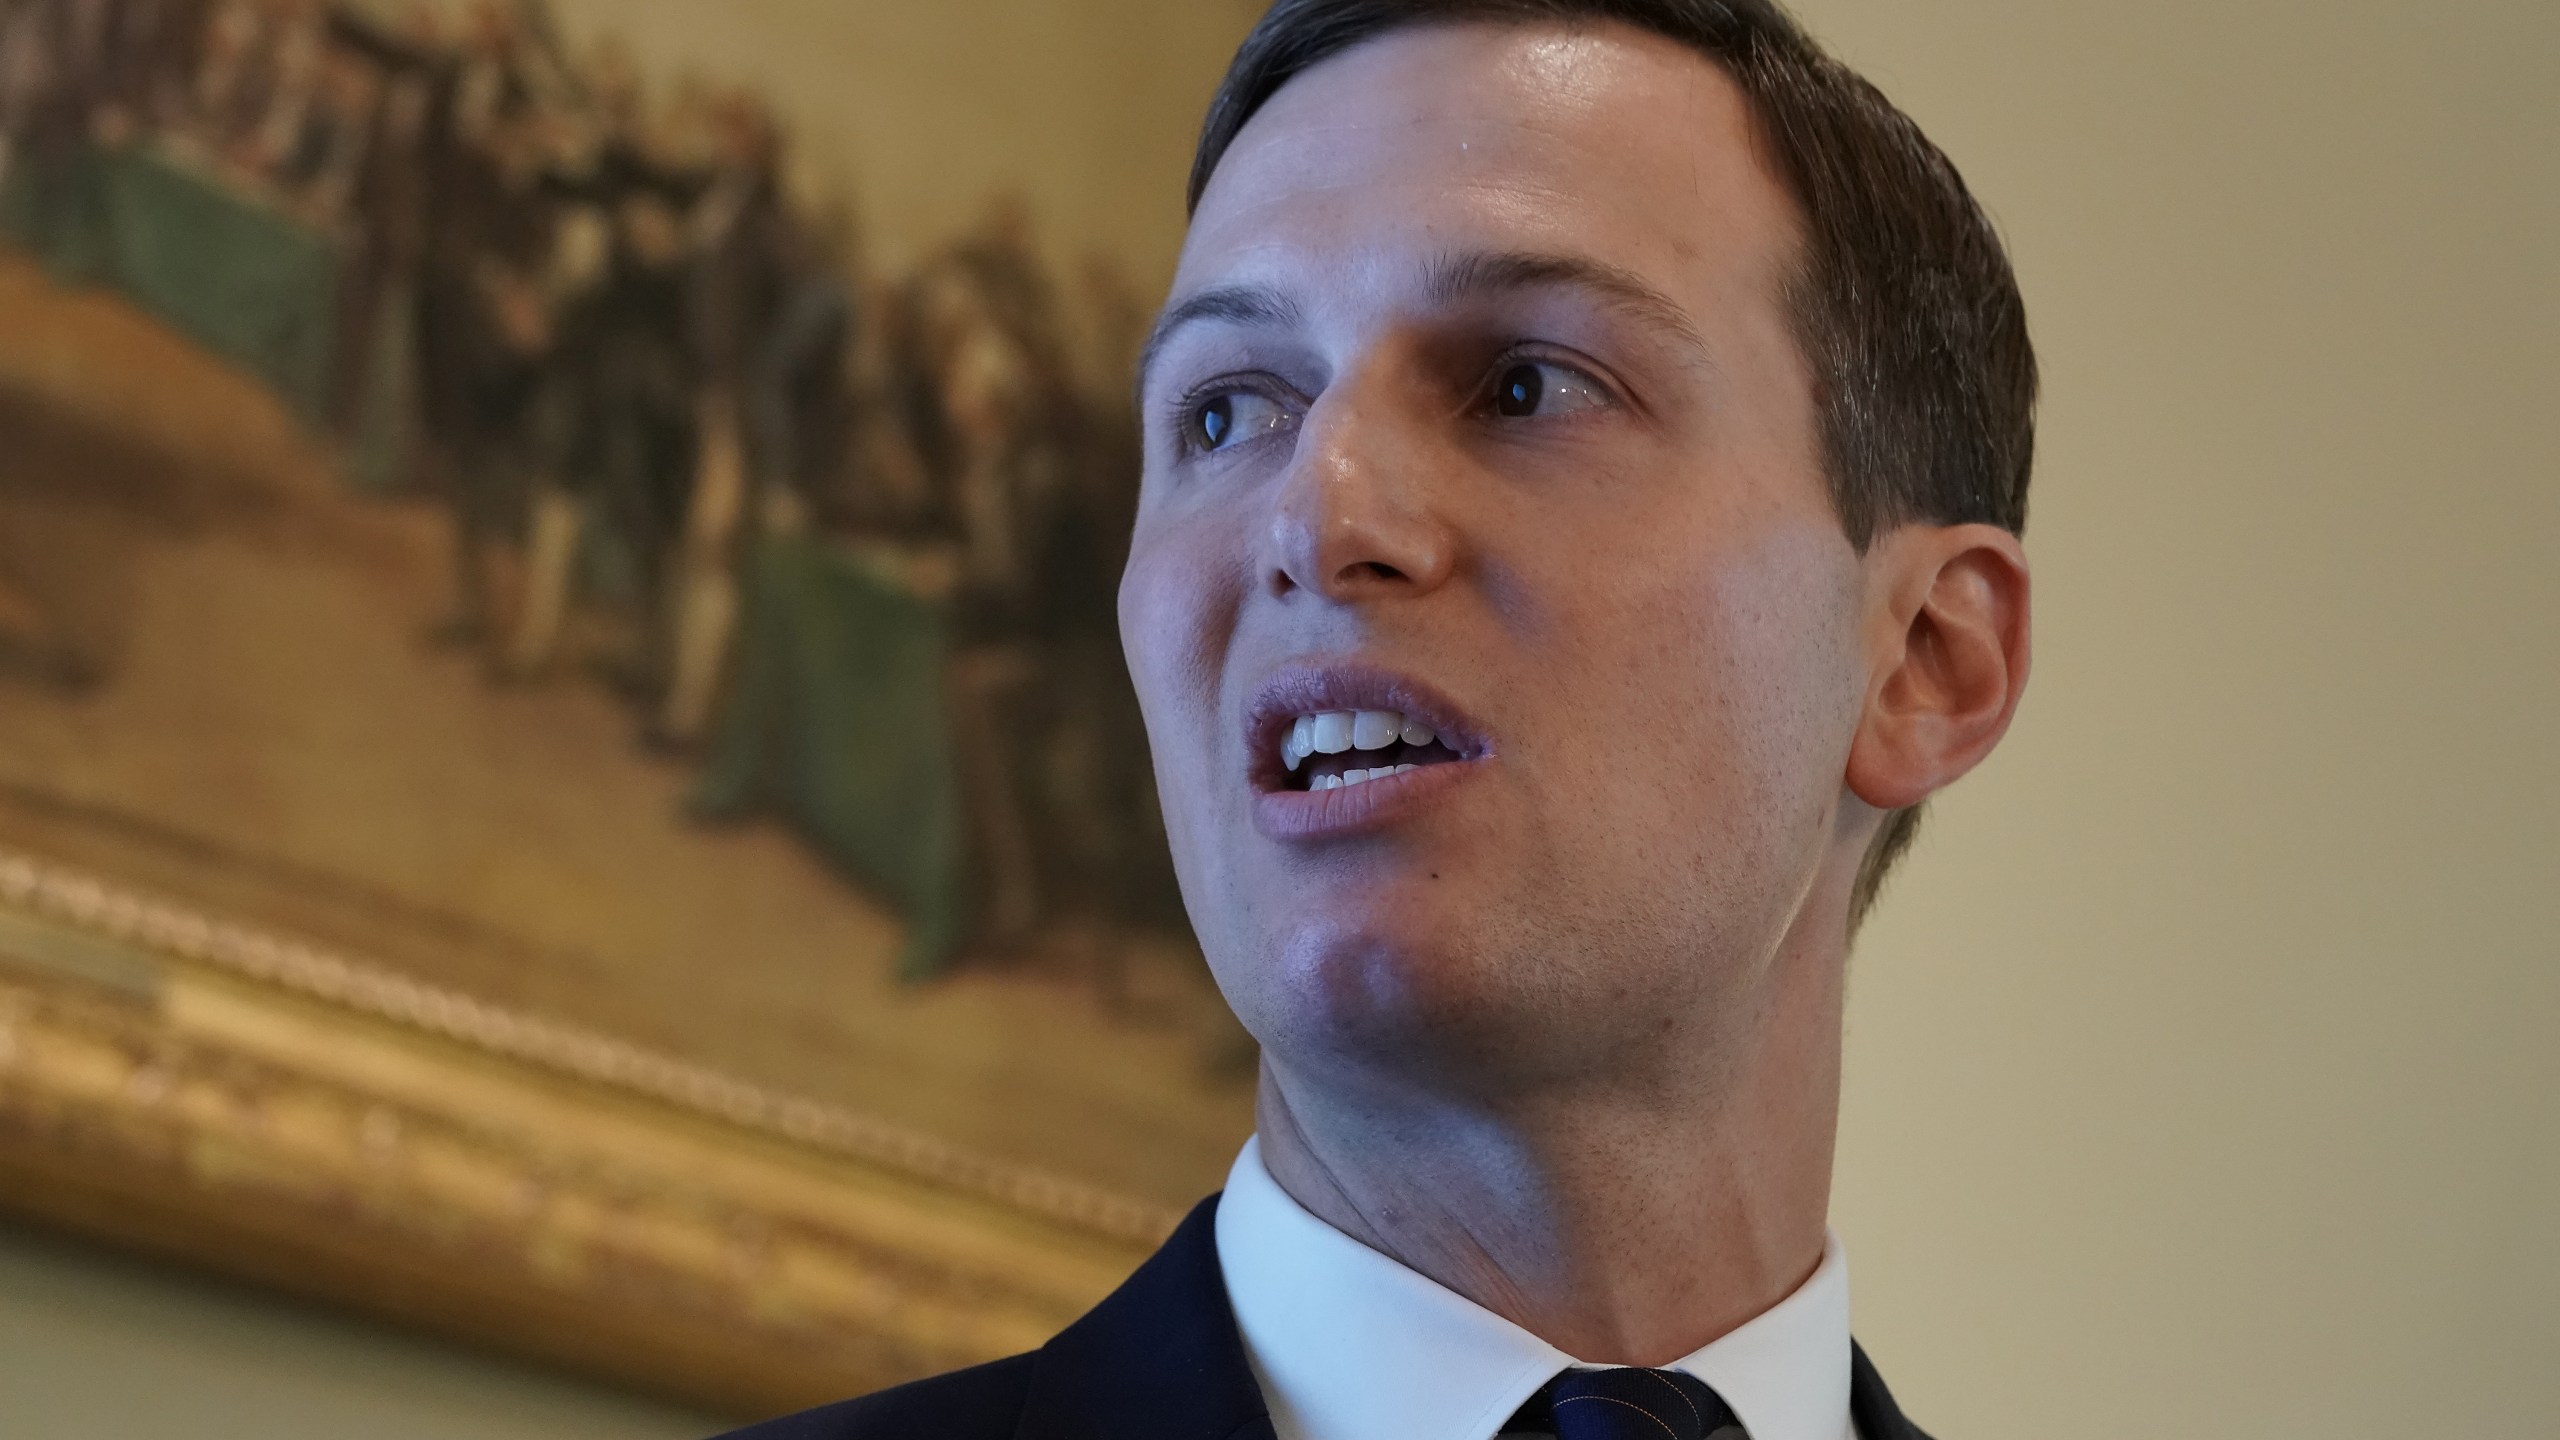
column 1904, row 302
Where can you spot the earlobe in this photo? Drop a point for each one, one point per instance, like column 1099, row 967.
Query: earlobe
column 1948, row 653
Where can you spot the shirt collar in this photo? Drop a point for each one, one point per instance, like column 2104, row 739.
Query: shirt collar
column 1351, row 1345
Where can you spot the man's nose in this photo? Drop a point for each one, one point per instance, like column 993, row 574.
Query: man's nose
column 1358, row 517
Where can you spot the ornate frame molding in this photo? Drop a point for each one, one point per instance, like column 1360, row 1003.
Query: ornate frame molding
column 304, row 1119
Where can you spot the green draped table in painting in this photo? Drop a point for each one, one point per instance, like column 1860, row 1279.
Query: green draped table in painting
column 235, row 274
column 838, row 723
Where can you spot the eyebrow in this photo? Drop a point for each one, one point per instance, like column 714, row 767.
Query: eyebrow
column 1452, row 280
column 1456, row 279
column 1261, row 305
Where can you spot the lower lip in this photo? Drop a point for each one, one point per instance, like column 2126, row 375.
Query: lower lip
column 1349, row 810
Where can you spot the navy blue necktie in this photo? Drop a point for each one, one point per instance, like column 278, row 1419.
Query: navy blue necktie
column 1624, row 1405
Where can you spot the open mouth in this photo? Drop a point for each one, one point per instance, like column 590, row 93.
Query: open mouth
column 1332, row 749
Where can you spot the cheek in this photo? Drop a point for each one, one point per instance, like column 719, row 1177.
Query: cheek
column 1177, row 615
column 1178, row 606
column 1733, row 694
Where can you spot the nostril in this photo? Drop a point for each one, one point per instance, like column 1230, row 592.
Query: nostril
column 1372, row 570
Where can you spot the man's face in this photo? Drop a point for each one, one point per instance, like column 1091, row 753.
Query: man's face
column 1477, row 408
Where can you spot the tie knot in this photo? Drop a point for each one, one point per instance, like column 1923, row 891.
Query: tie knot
column 1635, row 1405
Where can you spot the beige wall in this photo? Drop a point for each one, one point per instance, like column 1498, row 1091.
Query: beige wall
column 2203, row 1076
column 99, row 1347
column 2202, row 1068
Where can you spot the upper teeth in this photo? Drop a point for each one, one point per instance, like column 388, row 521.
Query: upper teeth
column 1336, row 731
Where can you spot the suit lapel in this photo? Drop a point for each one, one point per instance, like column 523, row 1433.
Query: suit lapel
column 1871, row 1406
column 1159, row 1360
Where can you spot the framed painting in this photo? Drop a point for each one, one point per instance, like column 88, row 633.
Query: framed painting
column 565, row 774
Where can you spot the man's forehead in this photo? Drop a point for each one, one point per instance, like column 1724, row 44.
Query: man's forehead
column 1606, row 143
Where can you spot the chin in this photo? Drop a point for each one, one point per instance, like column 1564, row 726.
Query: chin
column 1400, row 984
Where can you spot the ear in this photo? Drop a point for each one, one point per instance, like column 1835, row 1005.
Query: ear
column 1947, row 656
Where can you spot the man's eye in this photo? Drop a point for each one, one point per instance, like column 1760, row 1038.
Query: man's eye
column 1541, row 387
column 1228, row 419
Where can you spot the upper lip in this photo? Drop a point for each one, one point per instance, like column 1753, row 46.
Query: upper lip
column 1315, row 689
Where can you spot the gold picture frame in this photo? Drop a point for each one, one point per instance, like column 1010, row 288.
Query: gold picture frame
column 206, row 1091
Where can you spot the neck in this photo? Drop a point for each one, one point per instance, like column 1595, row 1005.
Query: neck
column 1627, row 1224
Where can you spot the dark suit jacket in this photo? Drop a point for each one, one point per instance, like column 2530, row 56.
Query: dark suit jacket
column 1158, row 1360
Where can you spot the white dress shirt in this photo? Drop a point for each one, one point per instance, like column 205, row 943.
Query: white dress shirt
column 1350, row 1345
